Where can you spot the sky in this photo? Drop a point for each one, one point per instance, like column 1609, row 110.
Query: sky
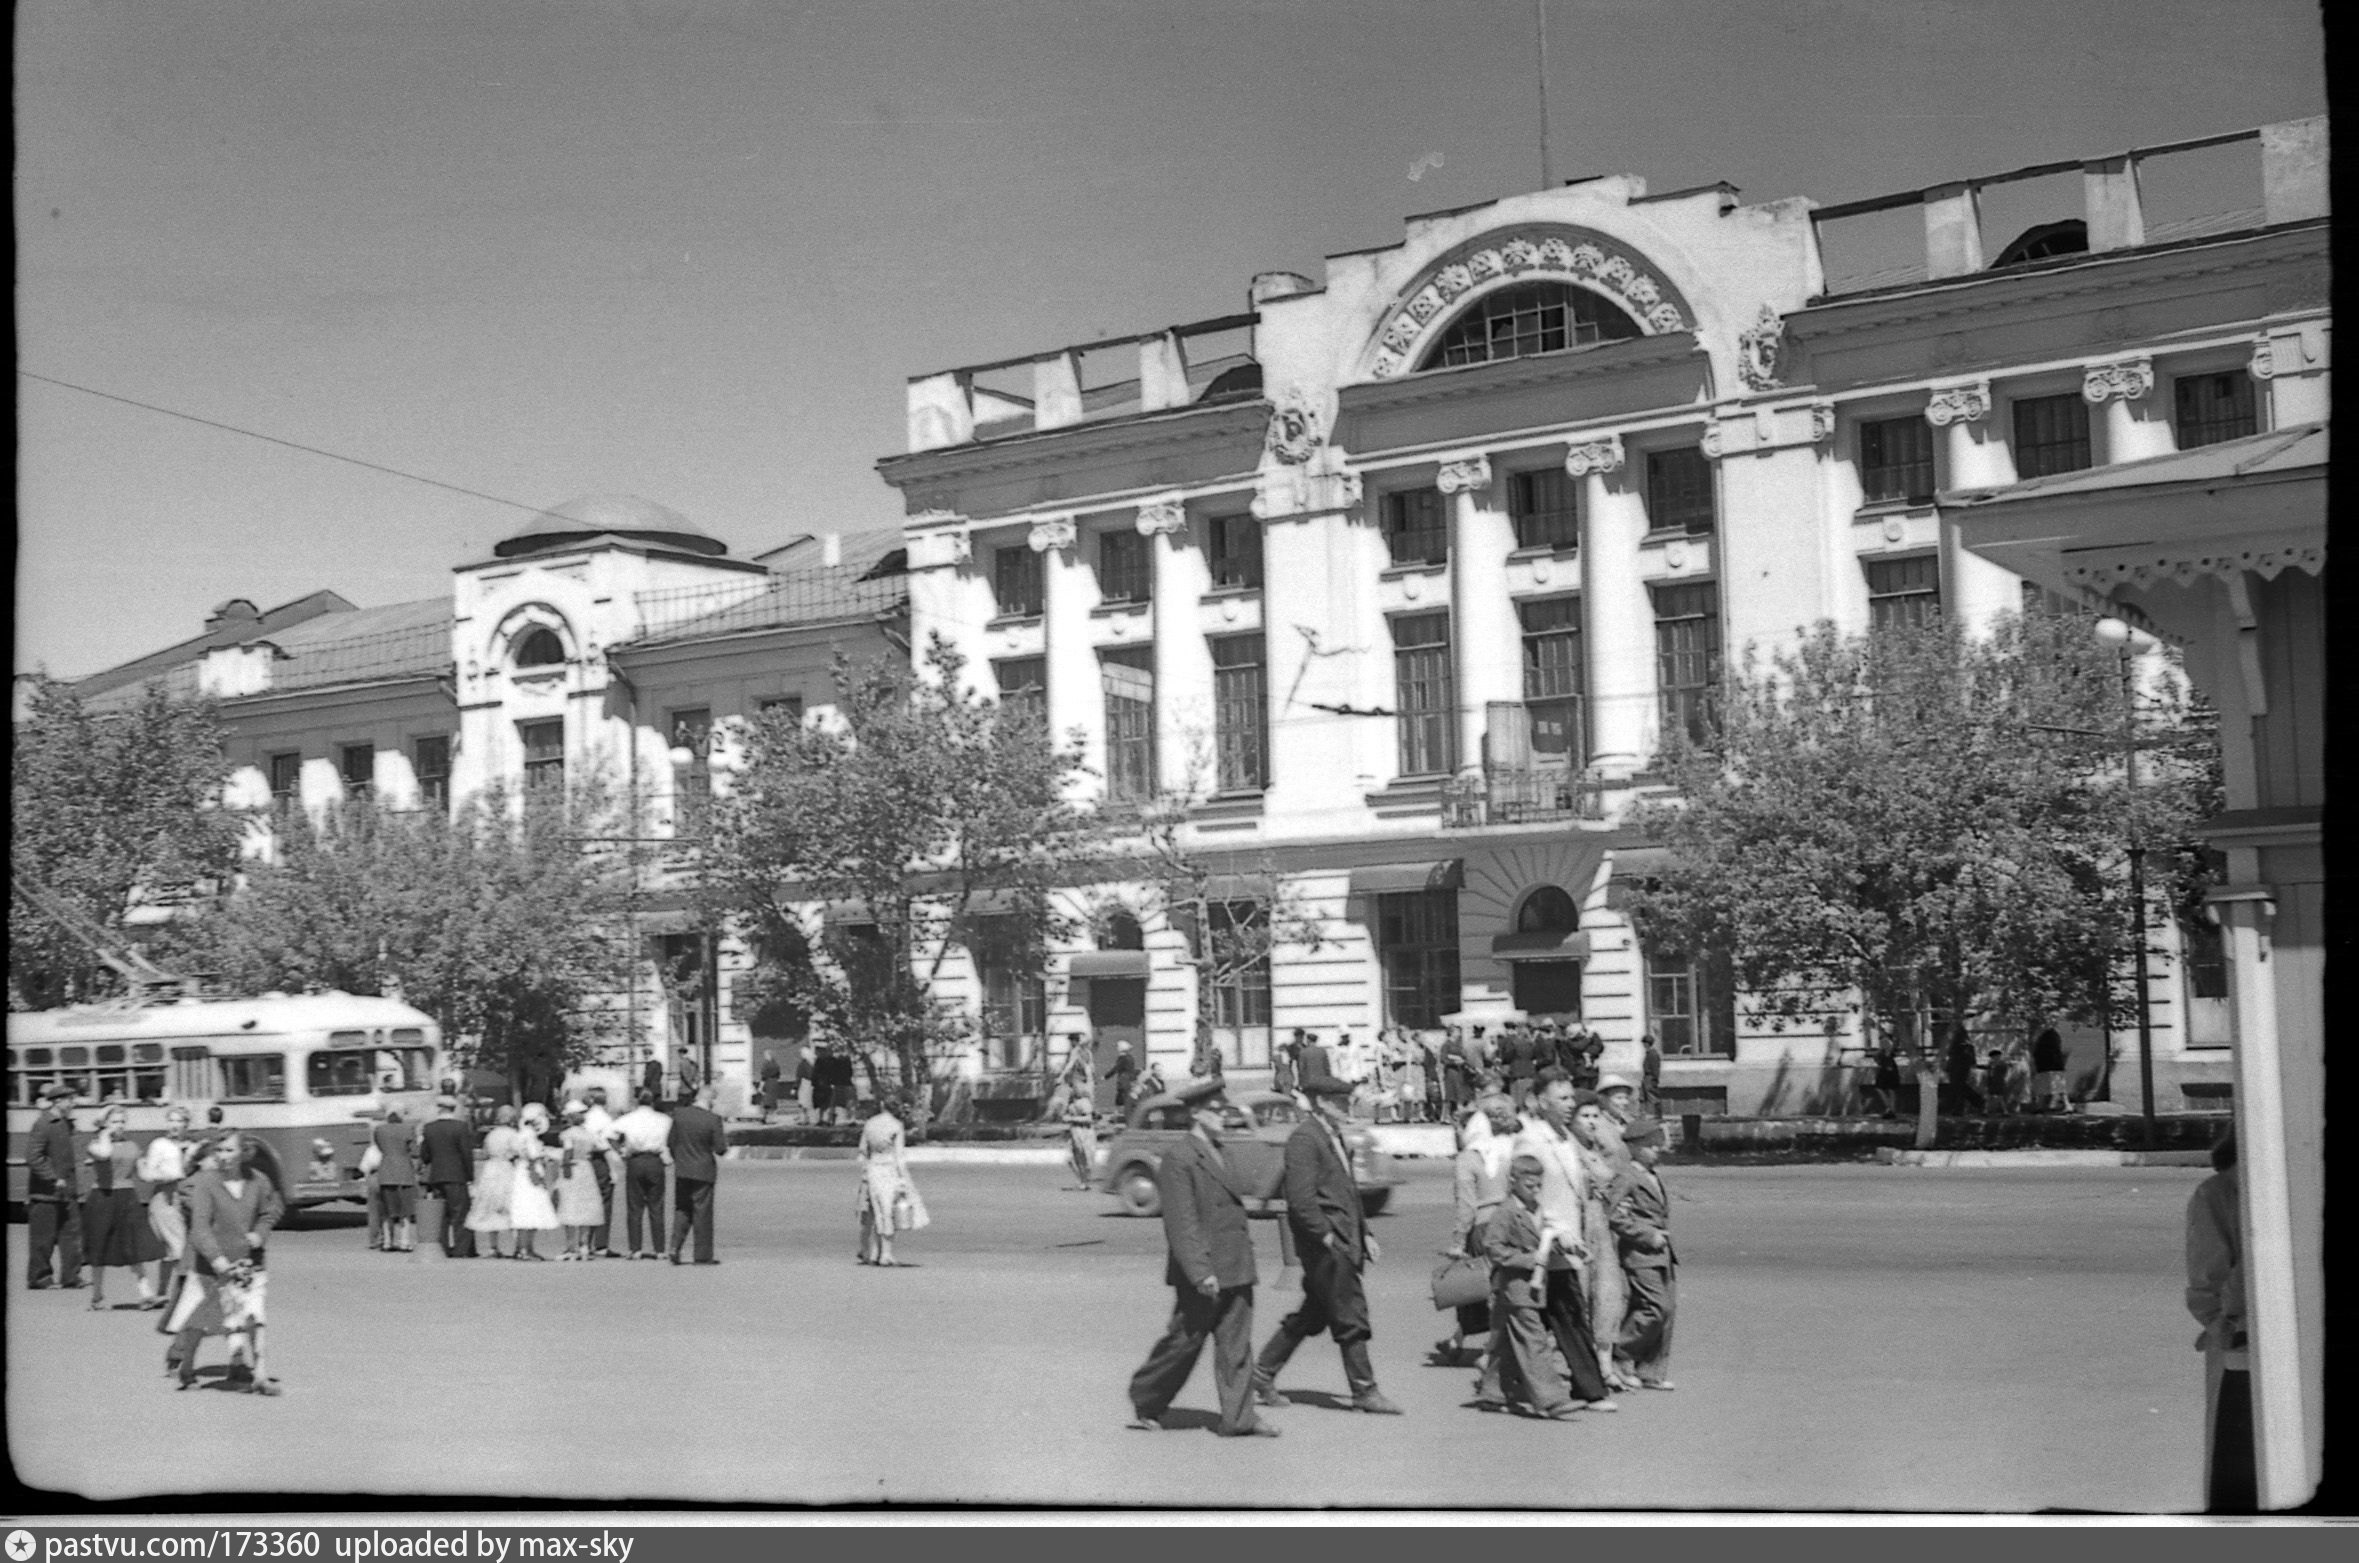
column 693, row 249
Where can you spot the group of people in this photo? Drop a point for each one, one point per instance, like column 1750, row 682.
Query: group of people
column 1405, row 1076
column 531, row 1180
column 825, row 1085
column 1562, row 1213
column 197, row 1209
column 2006, row 1081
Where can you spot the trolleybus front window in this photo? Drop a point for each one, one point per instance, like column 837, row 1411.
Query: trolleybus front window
column 261, row 1077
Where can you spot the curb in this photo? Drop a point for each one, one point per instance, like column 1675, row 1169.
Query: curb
column 2041, row 1158
column 919, row 1155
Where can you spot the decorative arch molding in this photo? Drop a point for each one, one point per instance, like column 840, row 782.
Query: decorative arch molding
column 1536, row 252
column 518, row 623
column 1498, row 882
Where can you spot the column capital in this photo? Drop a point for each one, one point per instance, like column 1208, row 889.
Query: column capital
column 2129, row 379
column 1594, row 457
column 1164, row 517
column 1468, row 475
column 1051, row 532
column 1950, row 404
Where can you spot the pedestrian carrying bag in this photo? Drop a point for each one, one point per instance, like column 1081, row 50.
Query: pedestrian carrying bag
column 904, row 1212
column 1461, row 1281
column 370, row 1160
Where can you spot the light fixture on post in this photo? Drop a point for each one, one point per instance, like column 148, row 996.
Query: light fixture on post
column 2131, row 643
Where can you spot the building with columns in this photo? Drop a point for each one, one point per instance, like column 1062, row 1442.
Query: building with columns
column 1402, row 577
column 608, row 637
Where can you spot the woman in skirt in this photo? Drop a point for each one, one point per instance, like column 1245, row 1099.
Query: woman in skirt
column 487, row 1207
column 530, row 1209
column 115, row 1231
column 163, row 1168
column 579, row 1205
column 888, row 1199
column 232, row 1208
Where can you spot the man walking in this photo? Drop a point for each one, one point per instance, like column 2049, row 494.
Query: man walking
column 771, row 1074
column 1640, row 1214
column 600, row 1123
column 698, row 1140
column 1211, row 1275
column 645, row 1136
column 53, row 1192
column 1650, row 1074
column 446, row 1145
column 1124, row 1074
column 1332, row 1244
column 1548, row 1139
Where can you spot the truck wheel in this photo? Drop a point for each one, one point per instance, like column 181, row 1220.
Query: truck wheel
column 1373, row 1201
column 1140, row 1196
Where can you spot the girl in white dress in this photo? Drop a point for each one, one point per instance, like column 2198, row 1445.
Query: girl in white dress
column 578, row 1204
column 888, row 1199
column 487, row 1213
column 530, row 1210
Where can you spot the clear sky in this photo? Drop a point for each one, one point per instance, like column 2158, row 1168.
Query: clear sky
column 692, row 249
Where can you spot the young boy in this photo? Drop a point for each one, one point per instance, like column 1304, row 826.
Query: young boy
column 1639, row 1211
column 1517, row 1240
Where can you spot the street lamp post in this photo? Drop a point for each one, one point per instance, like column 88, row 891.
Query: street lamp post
column 2132, row 643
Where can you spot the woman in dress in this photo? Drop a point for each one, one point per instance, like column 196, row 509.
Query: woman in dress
column 1486, row 1143
column 163, row 1169
column 232, row 1208
column 530, row 1210
column 115, row 1232
column 487, row 1208
column 888, row 1199
column 579, row 1205
column 1607, row 1296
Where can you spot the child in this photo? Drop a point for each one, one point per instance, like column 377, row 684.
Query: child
column 1639, row 1211
column 1517, row 1241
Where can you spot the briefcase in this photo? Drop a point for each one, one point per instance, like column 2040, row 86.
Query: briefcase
column 1461, row 1281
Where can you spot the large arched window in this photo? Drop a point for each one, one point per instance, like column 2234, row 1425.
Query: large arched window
column 1519, row 322
column 539, row 647
column 1547, row 910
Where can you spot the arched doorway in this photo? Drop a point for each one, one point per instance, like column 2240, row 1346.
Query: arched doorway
column 1547, row 984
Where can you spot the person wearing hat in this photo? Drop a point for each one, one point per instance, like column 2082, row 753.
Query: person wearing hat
column 53, row 1193
column 1519, row 1239
column 1639, row 1210
column 1332, row 1244
column 1210, row 1272
column 1548, row 1136
column 580, row 1206
column 1618, row 1096
column 600, row 1122
column 698, row 1142
column 446, row 1152
column 396, row 1173
column 1124, row 1072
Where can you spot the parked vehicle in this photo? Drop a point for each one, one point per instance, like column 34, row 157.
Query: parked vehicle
column 1258, row 1124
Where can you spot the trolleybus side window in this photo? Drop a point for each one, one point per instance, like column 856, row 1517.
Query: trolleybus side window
column 410, row 1062
column 259, row 1077
column 189, row 1074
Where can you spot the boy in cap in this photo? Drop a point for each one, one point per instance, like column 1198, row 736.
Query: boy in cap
column 1639, row 1211
column 1517, row 1239
column 1210, row 1272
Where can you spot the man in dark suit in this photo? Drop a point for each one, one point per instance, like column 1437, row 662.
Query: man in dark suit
column 446, row 1147
column 1210, row 1273
column 1521, row 1058
column 651, row 1077
column 53, row 1192
column 1639, row 1210
column 698, row 1140
column 1332, row 1244
column 1312, row 1063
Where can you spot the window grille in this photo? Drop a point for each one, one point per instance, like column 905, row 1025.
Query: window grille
column 1425, row 697
column 2051, row 435
column 1903, row 593
column 1896, row 461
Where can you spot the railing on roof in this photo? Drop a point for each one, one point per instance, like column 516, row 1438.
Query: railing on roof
column 767, row 602
column 2173, row 192
column 419, row 651
column 1205, row 361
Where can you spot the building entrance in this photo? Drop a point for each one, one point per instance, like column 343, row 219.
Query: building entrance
column 1117, row 1013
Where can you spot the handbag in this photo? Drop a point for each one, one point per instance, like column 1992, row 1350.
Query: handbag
column 370, row 1160
column 904, row 1212
column 1461, row 1281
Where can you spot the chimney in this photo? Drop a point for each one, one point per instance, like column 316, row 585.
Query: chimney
column 236, row 610
column 831, row 549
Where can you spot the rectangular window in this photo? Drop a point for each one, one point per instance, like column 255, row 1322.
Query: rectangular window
column 2209, row 408
column 1241, row 981
column 259, row 1077
column 1128, row 676
column 1679, row 492
column 1016, row 581
column 286, row 778
column 344, row 1072
column 1687, row 659
column 430, row 762
column 1424, row 695
column 1023, row 685
column 1240, row 712
column 1236, row 552
column 1896, row 461
column 1690, row 1005
column 356, row 764
column 2051, row 435
column 1903, row 593
column 1125, row 568
column 2207, row 959
column 1546, row 512
column 1553, row 679
column 692, row 784
column 1417, row 526
column 1015, row 995
column 544, row 754
column 1417, row 937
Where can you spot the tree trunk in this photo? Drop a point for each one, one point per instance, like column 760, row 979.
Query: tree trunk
column 1928, row 1101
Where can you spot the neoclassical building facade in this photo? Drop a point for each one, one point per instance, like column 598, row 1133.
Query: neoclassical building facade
column 1402, row 576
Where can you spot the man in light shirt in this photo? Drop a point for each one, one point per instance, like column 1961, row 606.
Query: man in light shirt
column 644, row 1136
column 1547, row 1138
column 601, row 1123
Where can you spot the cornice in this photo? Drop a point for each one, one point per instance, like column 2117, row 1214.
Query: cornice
column 398, row 687
column 1172, row 428
column 1434, row 385
column 2085, row 276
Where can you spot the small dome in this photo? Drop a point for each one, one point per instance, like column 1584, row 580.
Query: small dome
column 618, row 515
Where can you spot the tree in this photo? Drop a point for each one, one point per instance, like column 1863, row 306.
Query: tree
column 1924, row 828
column 500, row 921
column 112, row 812
column 854, row 856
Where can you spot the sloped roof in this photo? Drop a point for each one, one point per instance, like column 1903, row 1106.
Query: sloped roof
column 398, row 640
column 2278, row 453
column 272, row 623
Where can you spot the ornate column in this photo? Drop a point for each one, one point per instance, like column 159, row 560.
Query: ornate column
column 2133, row 426
column 1074, row 699
column 1972, row 588
column 1183, row 665
column 2291, row 360
column 1473, row 565
column 1619, row 638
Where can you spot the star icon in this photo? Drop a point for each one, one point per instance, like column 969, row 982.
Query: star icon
column 20, row 1545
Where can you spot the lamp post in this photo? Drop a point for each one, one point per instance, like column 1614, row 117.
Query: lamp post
column 2133, row 643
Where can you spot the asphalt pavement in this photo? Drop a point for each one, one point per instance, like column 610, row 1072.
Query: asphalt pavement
column 1849, row 1337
